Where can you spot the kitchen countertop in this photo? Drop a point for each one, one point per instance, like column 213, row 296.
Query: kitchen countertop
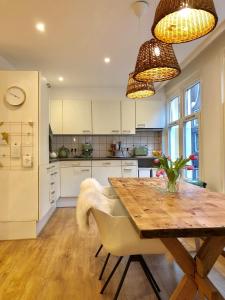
column 99, row 158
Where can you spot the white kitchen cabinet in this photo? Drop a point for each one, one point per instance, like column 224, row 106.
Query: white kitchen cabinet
column 106, row 117
column 71, row 177
column 56, row 116
column 129, row 171
column 150, row 114
column 128, row 117
column 144, row 173
column 102, row 170
column 77, row 118
column 49, row 188
column 129, row 168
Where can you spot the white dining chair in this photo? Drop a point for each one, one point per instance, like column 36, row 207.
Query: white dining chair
column 119, row 238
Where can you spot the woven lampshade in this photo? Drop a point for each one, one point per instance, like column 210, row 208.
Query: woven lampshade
column 139, row 90
column 156, row 62
column 179, row 21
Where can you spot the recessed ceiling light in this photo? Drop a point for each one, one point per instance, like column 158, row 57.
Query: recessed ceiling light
column 40, row 27
column 61, row 78
column 107, row 60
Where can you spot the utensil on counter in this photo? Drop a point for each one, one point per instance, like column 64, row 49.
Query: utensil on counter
column 64, row 152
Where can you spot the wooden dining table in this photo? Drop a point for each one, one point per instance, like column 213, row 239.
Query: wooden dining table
column 191, row 212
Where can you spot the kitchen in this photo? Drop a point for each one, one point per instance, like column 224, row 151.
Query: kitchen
column 71, row 120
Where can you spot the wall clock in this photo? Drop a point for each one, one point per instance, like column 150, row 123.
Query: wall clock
column 15, row 96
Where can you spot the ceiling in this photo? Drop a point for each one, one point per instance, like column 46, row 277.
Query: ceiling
column 79, row 34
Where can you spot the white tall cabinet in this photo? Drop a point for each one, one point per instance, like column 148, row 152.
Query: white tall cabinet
column 77, row 118
column 20, row 186
column 106, row 117
column 128, row 117
column 56, row 116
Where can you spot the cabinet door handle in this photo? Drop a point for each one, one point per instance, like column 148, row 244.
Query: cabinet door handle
column 126, row 131
column 50, row 168
column 126, row 169
column 52, row 183
column 140, row 125
column 107, row 164
column 55, row 173
column 52, row 193
column 115, row 131
column 85, row 170
column 76, row 165
column 86, row 131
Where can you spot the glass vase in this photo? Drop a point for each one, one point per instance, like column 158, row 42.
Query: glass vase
column 172, row 186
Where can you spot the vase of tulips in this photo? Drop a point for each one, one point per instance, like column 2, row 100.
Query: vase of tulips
column 172, row 169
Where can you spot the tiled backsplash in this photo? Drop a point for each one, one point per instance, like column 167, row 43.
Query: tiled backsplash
column 102, row 143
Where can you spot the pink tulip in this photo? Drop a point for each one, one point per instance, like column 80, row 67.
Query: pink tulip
column 189, row 168
column 168, row 157
column 156, row 161
column 193, row 157
column 160, row 173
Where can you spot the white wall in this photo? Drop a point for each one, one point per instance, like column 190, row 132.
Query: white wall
column 209, row 68
column 108, row 94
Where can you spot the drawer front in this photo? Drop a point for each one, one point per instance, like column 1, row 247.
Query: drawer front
column 129, row 171
column 129, row 163
column 106, row 163
column 80, row 163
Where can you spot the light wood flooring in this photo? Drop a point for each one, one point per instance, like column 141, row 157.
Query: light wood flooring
column 60, row 265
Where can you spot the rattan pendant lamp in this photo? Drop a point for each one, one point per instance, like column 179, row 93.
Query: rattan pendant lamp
column 136, row 89
column 139, row 90
column 156, row 62
column 179, row 21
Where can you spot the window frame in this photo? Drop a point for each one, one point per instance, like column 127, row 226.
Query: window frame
column 180, row 92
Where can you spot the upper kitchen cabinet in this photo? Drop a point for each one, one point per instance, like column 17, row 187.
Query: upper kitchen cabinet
column 106, row 117
column 77, row 117
column 56, row 118
column 150, row 114
column 128, row 117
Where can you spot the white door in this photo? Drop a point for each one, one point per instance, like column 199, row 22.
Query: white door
column 150, row 114
column 77, row 117
column 106, row 117
column 56, row 116
column 103, row 173
column 71, row 178
column 128, row 117
column 129, row 171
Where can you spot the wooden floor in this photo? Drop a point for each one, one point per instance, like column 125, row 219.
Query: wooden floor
column 60, row 265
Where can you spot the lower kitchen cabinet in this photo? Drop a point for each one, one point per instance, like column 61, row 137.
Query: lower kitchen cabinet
column 102, row 170
column 49, row 188
column 72, row 175
column 129, row 168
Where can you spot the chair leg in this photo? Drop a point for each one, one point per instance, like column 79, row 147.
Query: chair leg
column 104, row 266
column 150, row 277
column 111, row 275
column 99, row 249
column 145, row 266
column 122, row 278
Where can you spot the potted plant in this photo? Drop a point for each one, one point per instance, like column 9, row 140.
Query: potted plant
column 172, row 169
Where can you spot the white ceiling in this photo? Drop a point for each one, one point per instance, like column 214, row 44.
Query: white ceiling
column 79, row 34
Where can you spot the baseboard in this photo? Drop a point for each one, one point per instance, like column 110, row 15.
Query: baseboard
column 41, row 223
column 66, row 202
column 17, row 230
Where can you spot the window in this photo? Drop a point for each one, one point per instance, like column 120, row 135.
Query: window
column 174, row 142
column 174, row 110
column 192, row 100
column 191, row 146
column 183, row 127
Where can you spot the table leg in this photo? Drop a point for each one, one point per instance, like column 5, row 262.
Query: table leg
column 196, row 269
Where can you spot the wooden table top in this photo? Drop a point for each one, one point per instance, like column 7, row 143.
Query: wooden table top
column 192, row 212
